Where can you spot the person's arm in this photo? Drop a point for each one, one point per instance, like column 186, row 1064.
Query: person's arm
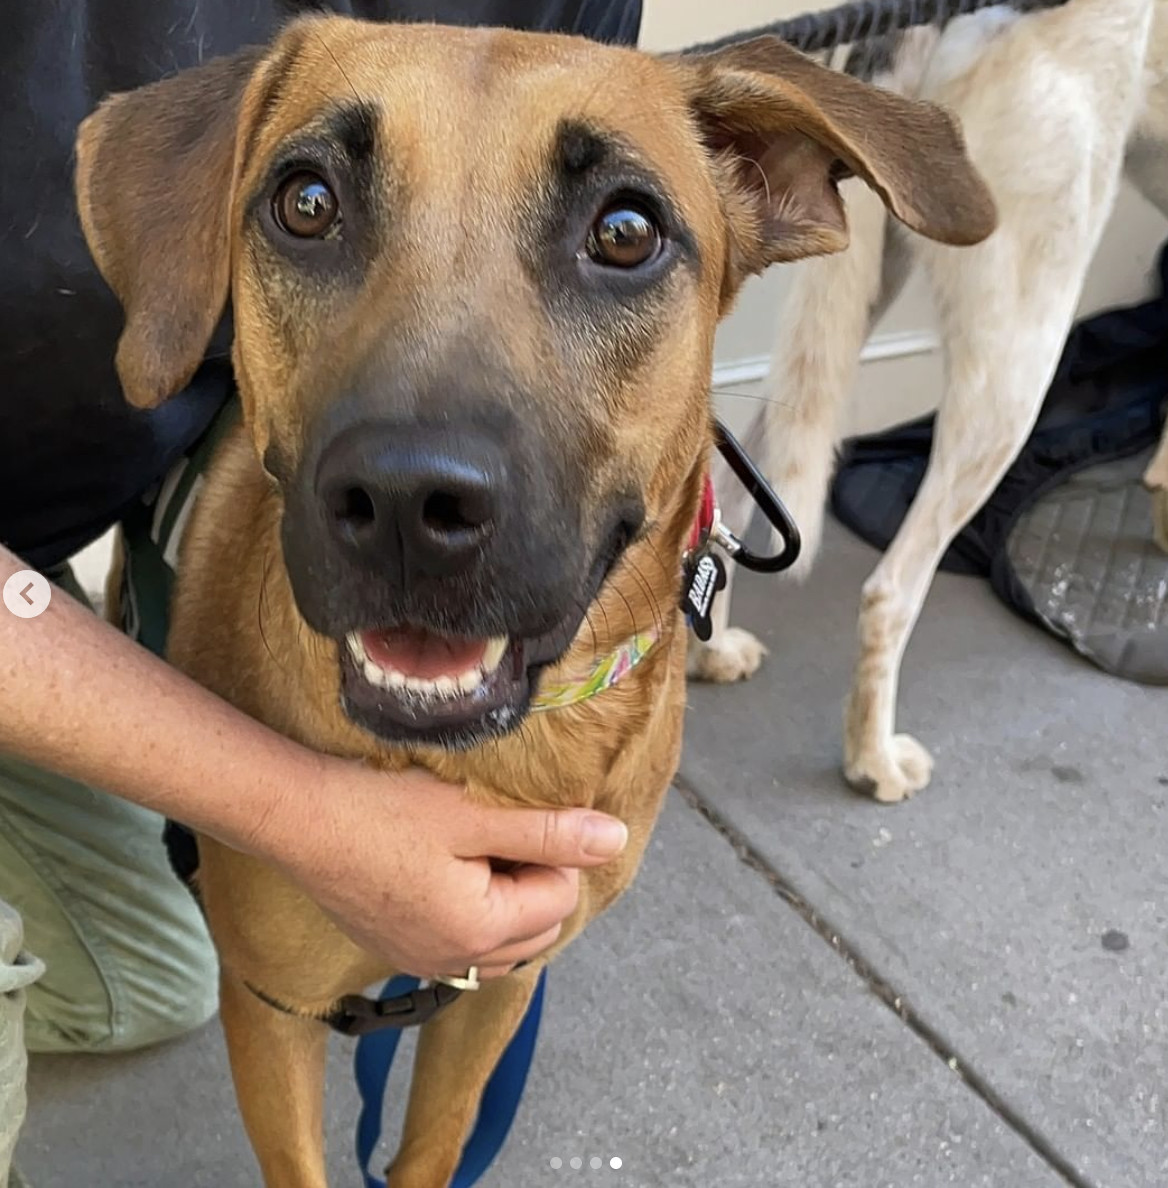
column 399, row 861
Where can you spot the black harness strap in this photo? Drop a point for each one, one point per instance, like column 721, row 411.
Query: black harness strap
column 356, row 1015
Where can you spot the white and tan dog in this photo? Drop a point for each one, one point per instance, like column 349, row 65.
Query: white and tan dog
column 1055, row 105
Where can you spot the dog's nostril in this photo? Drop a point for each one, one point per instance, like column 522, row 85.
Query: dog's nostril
column 448, row 512
column 353, row 508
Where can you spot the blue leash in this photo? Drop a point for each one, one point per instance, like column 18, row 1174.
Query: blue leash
column 374, row 1060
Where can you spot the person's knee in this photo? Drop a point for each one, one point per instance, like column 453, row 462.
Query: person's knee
column 128, row 961
column 170, row 996
column 117, row 1001
column 124, row 967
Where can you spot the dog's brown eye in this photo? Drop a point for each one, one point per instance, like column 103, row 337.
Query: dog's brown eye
column 624, row 237
column 305, row 206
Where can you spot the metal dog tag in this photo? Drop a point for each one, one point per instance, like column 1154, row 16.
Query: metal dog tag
column 703, row 576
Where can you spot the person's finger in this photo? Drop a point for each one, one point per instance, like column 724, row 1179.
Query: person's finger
column 544, row 837
column 489, row 973
column 509, row 958
column 524, row 904
column 520, row 951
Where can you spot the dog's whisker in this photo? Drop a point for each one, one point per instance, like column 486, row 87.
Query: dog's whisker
column 758, row 396
column 591, row 628
column 587, row 111
column 656, row 555
column 629, row 608
column 604, row 615
column 651, row 597
column 261, row 602
column 336, row 62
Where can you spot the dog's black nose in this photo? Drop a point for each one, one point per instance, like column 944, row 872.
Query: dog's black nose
column 419, row 500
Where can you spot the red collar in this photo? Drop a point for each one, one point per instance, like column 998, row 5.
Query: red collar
column 707, row 514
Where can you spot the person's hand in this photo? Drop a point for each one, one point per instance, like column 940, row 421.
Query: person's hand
column 401, row 864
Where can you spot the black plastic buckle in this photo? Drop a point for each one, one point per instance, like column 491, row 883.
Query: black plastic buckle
column 357, row 1015
column 765, row 498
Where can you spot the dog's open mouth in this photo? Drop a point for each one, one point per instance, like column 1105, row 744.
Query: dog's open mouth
column 409, row 684
column 426, row 685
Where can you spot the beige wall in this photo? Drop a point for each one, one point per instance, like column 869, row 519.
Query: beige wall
column 905, row 377
column 674, row 24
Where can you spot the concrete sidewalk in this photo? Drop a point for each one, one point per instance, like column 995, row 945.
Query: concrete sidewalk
column 805, row 989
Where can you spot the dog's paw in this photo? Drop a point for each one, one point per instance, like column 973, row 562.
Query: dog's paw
column 893, row 773
column 734, row 656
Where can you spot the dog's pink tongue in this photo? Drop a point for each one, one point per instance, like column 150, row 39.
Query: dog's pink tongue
column 420, row 654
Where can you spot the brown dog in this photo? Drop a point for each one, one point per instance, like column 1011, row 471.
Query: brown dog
column 475, row 278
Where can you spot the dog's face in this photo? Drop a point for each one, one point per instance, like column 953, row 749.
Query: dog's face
column 474, row 279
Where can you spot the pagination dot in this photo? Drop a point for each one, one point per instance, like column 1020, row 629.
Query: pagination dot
column 596, row 1163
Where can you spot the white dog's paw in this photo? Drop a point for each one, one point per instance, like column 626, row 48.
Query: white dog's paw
column 734, row 656
column 893, row 773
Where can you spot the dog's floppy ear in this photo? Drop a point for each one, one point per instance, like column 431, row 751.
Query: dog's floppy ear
column 785, row 131
column 154, row 181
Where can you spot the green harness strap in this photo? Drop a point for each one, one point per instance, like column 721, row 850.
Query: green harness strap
column 152, row 533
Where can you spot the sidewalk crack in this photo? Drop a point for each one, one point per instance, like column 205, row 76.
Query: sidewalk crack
column 896, row 1002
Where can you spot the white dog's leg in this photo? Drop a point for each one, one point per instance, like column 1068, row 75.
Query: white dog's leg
column 997, row 377
column 1147, row 166
column 1047, row 110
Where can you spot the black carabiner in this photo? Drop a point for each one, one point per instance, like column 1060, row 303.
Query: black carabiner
column 764, row 497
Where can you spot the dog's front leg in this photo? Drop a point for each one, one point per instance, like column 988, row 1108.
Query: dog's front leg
column 457, row 1053
column 277, row 1063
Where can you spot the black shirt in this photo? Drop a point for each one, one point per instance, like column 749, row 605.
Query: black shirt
column 73, row 454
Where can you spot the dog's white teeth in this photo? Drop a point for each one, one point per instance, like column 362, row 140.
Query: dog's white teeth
column 446, row 688
column 441, row 688
column 493, row 656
